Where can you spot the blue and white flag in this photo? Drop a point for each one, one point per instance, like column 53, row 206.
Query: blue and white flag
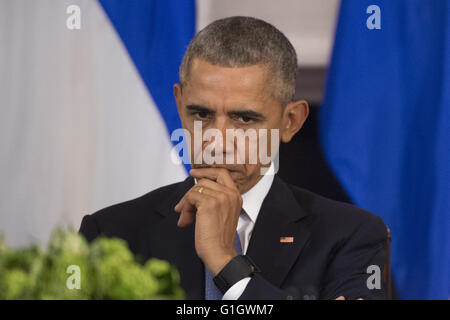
column 385, row 129
column 86, row 98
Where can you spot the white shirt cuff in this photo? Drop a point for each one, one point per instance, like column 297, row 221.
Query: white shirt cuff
column 236, row 289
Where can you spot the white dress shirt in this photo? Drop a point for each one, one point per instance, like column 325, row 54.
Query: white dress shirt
column 252, row 201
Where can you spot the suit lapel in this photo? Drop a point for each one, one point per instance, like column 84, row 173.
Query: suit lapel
column 169, row 242
column 280, row 216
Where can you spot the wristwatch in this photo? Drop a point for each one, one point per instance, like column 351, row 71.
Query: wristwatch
column 237, row 269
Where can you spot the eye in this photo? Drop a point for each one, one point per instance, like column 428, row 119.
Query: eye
column 245, row 119
column 201, row 114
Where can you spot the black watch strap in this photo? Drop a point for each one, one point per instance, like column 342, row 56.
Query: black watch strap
column 237, row 269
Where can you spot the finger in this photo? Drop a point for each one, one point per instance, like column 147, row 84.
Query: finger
column 213, row 185
column 187, row 210
column 205, row 184
column 179, row 205
column 185, row 219
column 340, row 298
column 221, row 175
column 192, row 200
column 221, row 192
column 214, row 192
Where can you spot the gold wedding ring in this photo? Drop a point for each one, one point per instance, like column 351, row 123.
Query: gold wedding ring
column 200, row 190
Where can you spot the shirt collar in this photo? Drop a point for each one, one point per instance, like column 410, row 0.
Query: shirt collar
column 252, row 200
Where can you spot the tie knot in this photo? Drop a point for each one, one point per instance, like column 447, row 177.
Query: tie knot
column 245, row 216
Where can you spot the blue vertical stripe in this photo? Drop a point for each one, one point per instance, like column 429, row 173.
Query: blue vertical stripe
column 156, row 35
column 385, row 129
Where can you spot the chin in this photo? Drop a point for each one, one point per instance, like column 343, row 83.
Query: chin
column 239, row 179
column 235, row 175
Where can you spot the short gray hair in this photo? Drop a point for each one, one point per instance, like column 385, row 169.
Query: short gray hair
column 245, row 41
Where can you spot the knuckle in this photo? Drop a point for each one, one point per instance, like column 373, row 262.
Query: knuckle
column 217, row 205
column 222, row 197
column 200, row 182
column 240, row 200
column 237, row 195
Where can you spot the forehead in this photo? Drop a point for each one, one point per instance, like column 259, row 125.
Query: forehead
column 215, row 84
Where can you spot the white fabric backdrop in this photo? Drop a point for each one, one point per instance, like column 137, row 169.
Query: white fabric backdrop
column 78, row 129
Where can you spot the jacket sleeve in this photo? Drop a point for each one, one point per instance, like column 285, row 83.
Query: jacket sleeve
column 359, row 267
column 347, row 273
column 260, row 289
column 89, row 228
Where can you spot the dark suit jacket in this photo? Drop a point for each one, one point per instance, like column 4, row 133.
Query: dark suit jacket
column 333, row 245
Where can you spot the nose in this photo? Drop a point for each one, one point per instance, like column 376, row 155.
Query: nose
column 219, row 141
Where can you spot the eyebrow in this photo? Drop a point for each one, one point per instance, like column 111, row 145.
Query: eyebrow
column 247, row 113
column 238, row 113
column 199, row 108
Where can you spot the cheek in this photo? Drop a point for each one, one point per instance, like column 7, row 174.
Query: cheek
column 250, row 177
column 251, row 171
column 265, row 145
column 189, row 140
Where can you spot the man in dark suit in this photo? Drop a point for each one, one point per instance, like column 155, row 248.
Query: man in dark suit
column 236, row 230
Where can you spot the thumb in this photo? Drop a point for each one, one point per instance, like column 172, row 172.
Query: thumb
column 186, row 218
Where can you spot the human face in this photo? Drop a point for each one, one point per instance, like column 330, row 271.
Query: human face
column 230, row 98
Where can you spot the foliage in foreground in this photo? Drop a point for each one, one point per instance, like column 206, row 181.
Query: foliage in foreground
column 106, row 269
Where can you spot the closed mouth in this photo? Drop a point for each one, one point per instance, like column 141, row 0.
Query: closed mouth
column 229, row 168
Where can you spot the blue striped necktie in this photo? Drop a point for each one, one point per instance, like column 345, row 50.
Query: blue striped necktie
column 211, row 291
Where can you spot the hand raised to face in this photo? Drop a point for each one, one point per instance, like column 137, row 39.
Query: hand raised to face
column 216, row 204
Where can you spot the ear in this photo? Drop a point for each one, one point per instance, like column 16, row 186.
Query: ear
column 294, row 116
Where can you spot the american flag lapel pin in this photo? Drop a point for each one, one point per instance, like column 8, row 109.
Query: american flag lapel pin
column 287, row 239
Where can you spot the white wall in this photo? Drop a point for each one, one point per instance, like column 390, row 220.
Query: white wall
column 309, row 24
column 78, row 129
